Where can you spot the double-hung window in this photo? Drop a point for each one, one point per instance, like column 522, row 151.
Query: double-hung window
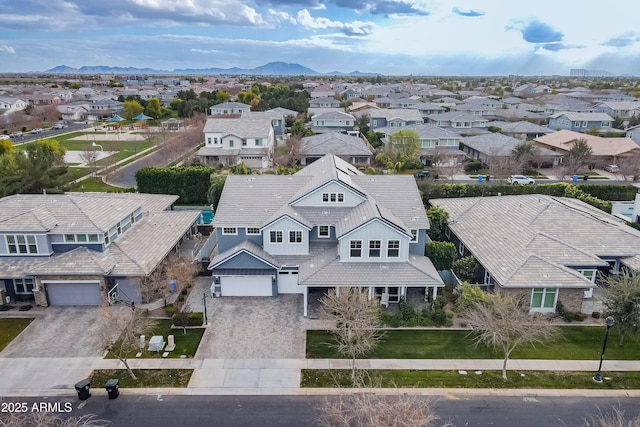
column 355, row 249
column 21, row 244
column 295, row 236
column 374, row 248
column 323, row 231
column 544, row 298
column 393, row 248
column 275, row 236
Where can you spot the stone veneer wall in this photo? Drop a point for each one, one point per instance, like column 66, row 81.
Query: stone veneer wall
column 41, row 294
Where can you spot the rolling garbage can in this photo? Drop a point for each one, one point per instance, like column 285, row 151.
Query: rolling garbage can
column 479, row 178
column 82, row 388
column 575, row 178
column 586, row 177
column 112, row 388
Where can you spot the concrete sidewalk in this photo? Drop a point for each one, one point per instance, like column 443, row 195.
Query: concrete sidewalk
column 57, row 376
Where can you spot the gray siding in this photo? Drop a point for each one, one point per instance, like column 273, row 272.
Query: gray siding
column 285, row 248
column 227, row 241
column 244, row 261
column 417, row 248
column 374, row 230
column 351, row 199
column 313, row 235
column 44, row 248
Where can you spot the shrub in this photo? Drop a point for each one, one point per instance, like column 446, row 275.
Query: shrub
column 579, row 316
column 184, row 291
column 170, row 310
column 5, row 307
column 442, row 254
column 469, row 296
column 190, row 183
column 473, row 166
column 465, row 269
column 26, row 307
column 595, row 314
column 181, row 298
column 196, row 318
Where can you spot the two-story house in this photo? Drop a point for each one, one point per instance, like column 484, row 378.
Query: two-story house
column 393, row 119
column 624, row 110
column 9, row 105
column 326, row 226
column 249, row 139
column 459, row 122
column 581, row 122
column 333, row 121
column 71, row 249
column 229, row 108
column 324, row 102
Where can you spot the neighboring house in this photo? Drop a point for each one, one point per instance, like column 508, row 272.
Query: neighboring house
column 427, row 108
column 322, row 228
column 322, row 91
column 104, row 109
column 521, row 130
column 228, row 108
column 333, row 121
column 44, row 99
column 434, row 142
column 495, row 147
column 604, row 150
column 544, row 249
column 71, row 249
column 276, row 116
column 351, row 149
column 581, row 122
column 393, row 118
column 9, row 105
column 477, row 107
column 324, row 102
column 74, row 112
column 623, row 110
column 394, row 103
column 249, row 139
column 460, row 122
column 633, row 133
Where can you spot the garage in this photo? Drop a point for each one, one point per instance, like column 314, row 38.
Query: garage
column 246, row 286
column 73, row 293
column 288, row 281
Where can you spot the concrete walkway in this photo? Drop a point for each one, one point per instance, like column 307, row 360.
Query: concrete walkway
column 57, row 376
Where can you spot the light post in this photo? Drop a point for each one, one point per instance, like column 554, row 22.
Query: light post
column 609, row 322
column 204, row 306
column 93, row 144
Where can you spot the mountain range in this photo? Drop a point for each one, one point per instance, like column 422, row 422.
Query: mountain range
column 270, row 69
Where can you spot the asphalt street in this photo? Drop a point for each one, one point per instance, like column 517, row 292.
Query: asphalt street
column 267, row 411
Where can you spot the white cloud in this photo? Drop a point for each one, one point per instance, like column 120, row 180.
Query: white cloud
column 7, row 48
column 353, row 28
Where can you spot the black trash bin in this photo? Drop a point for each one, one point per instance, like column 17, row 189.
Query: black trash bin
column 82, row 388
column 112, row 388
column 586, row 177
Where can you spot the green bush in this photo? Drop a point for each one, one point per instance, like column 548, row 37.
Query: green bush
column 184, row 291
column 196, row 318
column 181, row 298
column 466, row 269
column 190, row 183
column 441, row 254
column 5, row 307
column 25, row 307
column 579, row 316
column 170, row 310
column 473, row 166
column 469, row 296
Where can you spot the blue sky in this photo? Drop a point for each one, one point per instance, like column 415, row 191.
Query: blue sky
column 398, row 37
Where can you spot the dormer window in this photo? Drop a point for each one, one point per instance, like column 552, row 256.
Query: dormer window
column 229, row 230
column 253, row 230
column 323, row 231
column 414, row 235
column 332, row 197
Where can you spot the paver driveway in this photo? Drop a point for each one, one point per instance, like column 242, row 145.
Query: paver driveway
column 61, row 332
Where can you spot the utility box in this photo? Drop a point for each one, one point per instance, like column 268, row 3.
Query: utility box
column 82, row 388
column 112, row 388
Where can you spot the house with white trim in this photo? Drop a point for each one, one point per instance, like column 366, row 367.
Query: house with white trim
column 72, row 249
column 326, row 226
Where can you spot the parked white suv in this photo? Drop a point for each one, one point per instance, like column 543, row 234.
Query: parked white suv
column 520, row 179
column 612, row 168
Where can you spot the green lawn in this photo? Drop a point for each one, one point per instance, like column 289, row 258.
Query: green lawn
column 186, row 344
column 11, row 328
column 487, row 379
column 577, row 343
column 74, row 173
column 94, row 184
column 146, row 377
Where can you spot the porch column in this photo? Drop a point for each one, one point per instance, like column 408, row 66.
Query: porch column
column 337, row 291
column 435, row 292
column 370, row 292
column 305, row 301
column 403, row 291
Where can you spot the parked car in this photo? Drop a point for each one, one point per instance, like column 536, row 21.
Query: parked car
column 17, row 134
column 422, row 174
column 59, row 126
column 520, row 179
column 37, row 130
column 4, row 136
column 612, row 168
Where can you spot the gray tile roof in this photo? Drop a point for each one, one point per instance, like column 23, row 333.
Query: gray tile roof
column 578, row 116
column 493, row 144
column 79, row 261
column 336, row 143
column 333, row 115
column 397, row 114
column 424, row 131
column 453, row 116
column 520, row 127
column 532, row 239
column 327, row 270
column 247, row 126
column 245, row 246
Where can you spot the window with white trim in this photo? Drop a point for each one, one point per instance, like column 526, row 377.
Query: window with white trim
column 295, row 236
column 544, row 298
column 23, row 286
column 94, row 238
column 21, row 244
column 275, row 236
column 393, row 248
column 229, row 230
column 69, row 238
column 355, row 248
column 589, row 274
column 414, row 235
column 253, row 230
column 461, row 248
column 447, row 232
column 106, row 237
column 332, row 197
column 585, row 124
column 81, row 238
column 323, row 231
column 259, row 142
column 374, row 248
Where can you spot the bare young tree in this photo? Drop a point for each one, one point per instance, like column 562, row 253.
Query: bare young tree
column 357, row 321
column 501, row 167
column 616, row 418
column 446, row 163
column 182, row 316
column 90, row 157
column 48, row 419
column 629, row 166
column 155, row 285
column 179, row 269
column 578, row 156
column 504, row 323
column 291, row 155
column 130, row 325
column 366, row 409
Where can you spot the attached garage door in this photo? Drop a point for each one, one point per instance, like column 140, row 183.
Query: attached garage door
column 73, row 293
column 246, row 286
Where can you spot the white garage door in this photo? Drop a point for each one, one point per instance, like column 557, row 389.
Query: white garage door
column 73, row 293
column 288, row 282
column 245, row 286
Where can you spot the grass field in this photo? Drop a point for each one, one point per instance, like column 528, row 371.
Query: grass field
column 576, row 343
column 94, row 184
column 186, row 344
column 146, row 377
column 487, row 379
column 11, row 328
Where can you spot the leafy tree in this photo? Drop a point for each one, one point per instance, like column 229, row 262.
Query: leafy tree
column 442, row 254
column 466, row 269
column 469, row 296
column 504, row 323
column 593, row 130
column 40, row 167
column 438, row 219
column 618, row 123
column 299, row 129
column 215, row 190
column 405, row 142
column 130, row 109
column 621, row 299
column 6, row 146
column 154, row 108
column 525, row 153
column 222, row 96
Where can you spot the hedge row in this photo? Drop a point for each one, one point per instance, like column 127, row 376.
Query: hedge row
column 561, row 189
column 190, row 183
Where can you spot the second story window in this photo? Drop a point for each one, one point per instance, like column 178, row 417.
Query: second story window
column 355, row 249
column 323, row 231
column 295, row 237
column 22, row 244
column 229, row 230
column 414, row 235
column 69, row 238
column 275, row 236
column 106, row 237
column 393, row 249
column 374, row 248
column 332, row 197
column 253, row 230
